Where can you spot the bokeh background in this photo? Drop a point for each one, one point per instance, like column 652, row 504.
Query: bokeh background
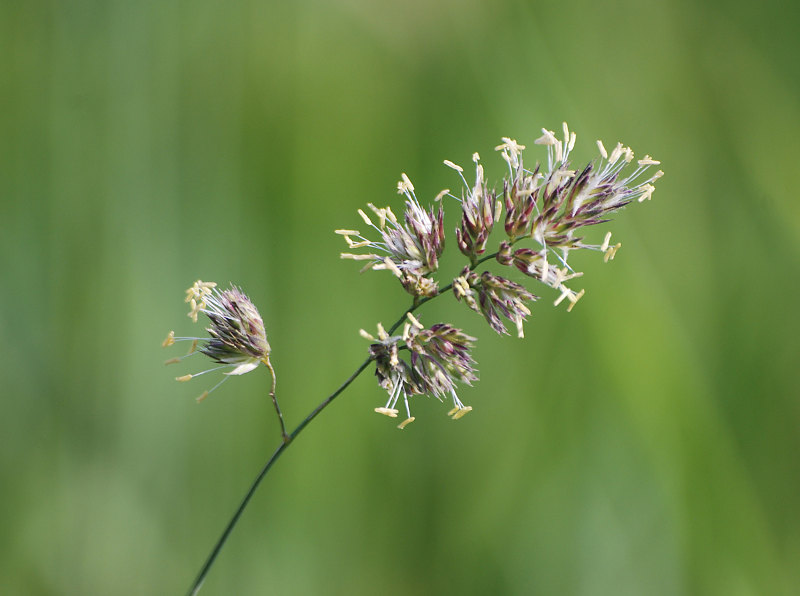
column 645, row 443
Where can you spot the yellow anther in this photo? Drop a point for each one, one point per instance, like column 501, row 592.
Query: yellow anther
column 184, row 378
column 169, row 340
column 450, row 164
column 390, row 412
column 202, row 396
column 405, row 423
column 172, row 361
column 461, row 412
column 606, row 240
column 441, row 194
column 414, row 321
column 565, row 291
column 574, row 299
column 382, row 332
column 404, row 185
column 347, row 255
column 648, row 192
column 611, row 251
column 548, row 138
column 391, row 266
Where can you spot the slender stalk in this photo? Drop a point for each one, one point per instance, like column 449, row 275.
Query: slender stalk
column 288, row 439
column 266, row 361
column 198, row 582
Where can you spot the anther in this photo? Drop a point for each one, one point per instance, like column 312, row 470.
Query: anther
column 405, row 423
column 169, row 340
column 450, row 164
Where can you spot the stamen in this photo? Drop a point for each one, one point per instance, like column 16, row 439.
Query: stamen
column 391, row 266
column 462, row 412
column 648, row 192
column 574, row 300
column 611, row 252
column 405, row 423
column 628, row 154
column 414, row 321
column 365, row 218
column 565, row 291
column 615, row 154
column 450, row 164
column 382, row 332
column 604, row 246
column 404, row 186
column 390, row 412
column 441, row 194
column 169, row 340
column 381, row 212
column 548, row 138
column 347, row 255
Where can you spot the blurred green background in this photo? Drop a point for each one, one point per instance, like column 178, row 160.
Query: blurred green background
column 646, row 443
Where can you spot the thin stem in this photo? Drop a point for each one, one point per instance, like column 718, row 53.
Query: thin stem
column 198, row 582
column 275, row 399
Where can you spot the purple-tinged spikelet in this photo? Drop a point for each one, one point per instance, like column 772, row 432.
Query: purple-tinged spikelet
column 237, row 339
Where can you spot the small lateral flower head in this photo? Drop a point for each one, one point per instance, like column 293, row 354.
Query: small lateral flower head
column 501, row 297
column 236, row 336
column 237, row 330
column 496, row 297
column 439, row 359
column 410, row 248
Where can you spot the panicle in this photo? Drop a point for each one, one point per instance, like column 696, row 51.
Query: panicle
column 550, row 205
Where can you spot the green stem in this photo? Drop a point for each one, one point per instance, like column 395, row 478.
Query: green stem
column 198, row 582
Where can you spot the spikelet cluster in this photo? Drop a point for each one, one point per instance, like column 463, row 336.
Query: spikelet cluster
column 543, row 213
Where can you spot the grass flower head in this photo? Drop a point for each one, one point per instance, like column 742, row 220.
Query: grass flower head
column 236, row 336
